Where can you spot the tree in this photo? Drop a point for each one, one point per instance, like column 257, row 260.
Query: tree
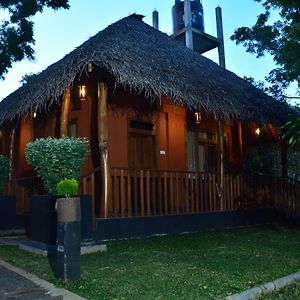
column 280, row 39
column 291, row 131
column 16, row 32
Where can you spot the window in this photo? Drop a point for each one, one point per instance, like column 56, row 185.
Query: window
column 72, row 130
column 201, row 151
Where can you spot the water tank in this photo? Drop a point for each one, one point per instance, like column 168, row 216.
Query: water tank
column 197, row 15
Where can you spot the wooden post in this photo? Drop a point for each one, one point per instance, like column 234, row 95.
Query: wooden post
column 103, row 145
column 64, row 116
column 221, row 163
column 11, row 159
column 284, row 160
column 240, row 139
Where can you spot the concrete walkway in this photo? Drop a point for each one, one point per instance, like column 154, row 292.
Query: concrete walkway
column 16, row 284
column 265, row 288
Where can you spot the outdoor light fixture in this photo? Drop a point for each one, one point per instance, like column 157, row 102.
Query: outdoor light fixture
column 34, row 115
column 90, row 67
column 257, row 131
column 198, row 117
column 82, row 92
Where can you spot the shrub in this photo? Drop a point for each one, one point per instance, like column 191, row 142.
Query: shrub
column 262, row 160
column 4, row 171
column 57, row 159
column 67, row 187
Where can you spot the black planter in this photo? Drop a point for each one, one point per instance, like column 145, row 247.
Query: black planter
column 68, row 238
column 86, row 217
column 8, row 217
column 43, row 219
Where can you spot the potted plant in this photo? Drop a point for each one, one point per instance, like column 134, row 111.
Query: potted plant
column 68, row 231
column 54, row 160
column 7, row 202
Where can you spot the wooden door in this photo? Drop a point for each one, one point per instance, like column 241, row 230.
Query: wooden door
column 141, row 151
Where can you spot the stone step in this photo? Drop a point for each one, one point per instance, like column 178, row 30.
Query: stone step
column 29, row 294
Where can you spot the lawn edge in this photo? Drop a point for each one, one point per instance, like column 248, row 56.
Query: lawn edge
column 53, row 291
column 265, row 288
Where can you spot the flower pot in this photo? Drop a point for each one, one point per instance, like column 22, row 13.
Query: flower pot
column 68, row 238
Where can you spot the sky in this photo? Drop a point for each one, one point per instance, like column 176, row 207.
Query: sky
column 59, row 32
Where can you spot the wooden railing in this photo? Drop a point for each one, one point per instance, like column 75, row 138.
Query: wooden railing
column 23, row 188
column 150, row 193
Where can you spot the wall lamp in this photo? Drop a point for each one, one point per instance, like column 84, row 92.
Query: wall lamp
column 82, row 92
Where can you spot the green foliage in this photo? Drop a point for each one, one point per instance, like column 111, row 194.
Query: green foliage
column 57, row 159
column 16, row 32
column 4, row 171
column 67, row 187
column 291, row 131
column 280, row 40
column 267, row 161
column 263, row 161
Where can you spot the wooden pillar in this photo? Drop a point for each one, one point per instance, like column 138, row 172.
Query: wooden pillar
column 103, row 146
column 221, row 162
column 240, row 140
column 65, row 110
column 284, row 160
column 11, row 159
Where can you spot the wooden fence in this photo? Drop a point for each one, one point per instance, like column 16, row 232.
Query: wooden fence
column 152, row 192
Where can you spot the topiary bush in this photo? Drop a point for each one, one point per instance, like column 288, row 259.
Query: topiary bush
column 4, row 172
column 57, row 159
column 67, row 187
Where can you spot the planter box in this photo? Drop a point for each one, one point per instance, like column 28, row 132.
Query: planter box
column 44, row 219
column 8, row 216
column 86, row 217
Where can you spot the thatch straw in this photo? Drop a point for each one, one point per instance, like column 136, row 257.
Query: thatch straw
column 149, row 61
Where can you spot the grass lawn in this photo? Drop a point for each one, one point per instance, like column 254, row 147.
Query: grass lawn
column 205, row 265
column 289, row 293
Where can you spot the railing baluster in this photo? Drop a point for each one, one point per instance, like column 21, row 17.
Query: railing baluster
column 142, row 208
column 166, row 193
column 197, row 192
column 177, row 189
column 129, row 212
column 153, row 193
column 148, row 193
column 122, row 188
column 192, row 208
column 214, row 208
column 171, row 187
column 159, row 192
column 186, row 193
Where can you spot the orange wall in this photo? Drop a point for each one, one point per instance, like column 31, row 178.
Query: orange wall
column 25, row 135
column 118, row 138
column 82, row 118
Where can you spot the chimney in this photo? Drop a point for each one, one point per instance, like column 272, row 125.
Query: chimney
column 220, row 36
column 155, row 20
column 188, row 24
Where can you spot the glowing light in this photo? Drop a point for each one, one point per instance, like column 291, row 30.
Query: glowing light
column 257, row 131
column 198, row 117
column 34, row 115
column 82, row 92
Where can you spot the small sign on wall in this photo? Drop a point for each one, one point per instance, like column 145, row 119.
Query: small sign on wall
column 162, row 152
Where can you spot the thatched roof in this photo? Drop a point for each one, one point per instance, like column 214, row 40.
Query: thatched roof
column 149, row 61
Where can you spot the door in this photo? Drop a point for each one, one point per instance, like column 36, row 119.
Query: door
column 141, row 151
